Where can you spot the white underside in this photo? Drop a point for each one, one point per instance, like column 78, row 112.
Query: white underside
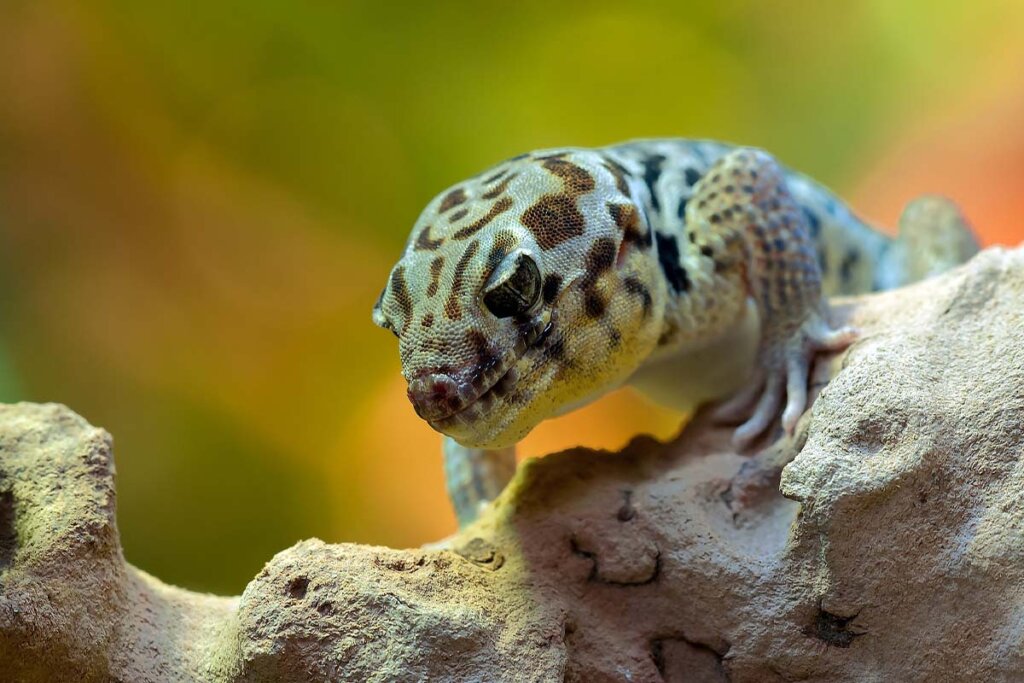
column 717, row 368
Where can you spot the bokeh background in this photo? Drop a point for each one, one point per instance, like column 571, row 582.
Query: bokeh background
column 200, row 201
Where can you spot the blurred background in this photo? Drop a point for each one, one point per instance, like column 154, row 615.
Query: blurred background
column 200, row 201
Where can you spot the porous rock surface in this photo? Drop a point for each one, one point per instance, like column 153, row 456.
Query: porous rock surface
column 895, row 550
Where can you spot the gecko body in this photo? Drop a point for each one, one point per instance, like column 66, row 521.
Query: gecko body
column 689, row 269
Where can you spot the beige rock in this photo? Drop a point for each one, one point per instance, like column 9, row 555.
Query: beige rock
column 895, row 551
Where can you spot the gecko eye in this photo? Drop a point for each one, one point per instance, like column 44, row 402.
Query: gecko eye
column 516, row 290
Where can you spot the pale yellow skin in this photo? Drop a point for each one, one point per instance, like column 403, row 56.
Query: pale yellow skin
column 688, row 269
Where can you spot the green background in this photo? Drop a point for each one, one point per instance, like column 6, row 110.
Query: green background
column 199, row 202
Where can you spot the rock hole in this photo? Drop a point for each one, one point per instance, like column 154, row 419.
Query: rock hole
column 832, row 629
column 679, row 659
column 297, row 587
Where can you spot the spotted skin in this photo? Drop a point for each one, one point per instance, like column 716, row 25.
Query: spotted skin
column 689, row 269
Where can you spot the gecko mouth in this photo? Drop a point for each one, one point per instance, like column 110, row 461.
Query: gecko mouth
column 493, row 379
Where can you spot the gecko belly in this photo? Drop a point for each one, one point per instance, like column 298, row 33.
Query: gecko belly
column 685, row 378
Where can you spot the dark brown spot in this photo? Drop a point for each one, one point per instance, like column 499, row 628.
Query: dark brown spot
column 424, row 243
column 553, row 220
column 575, row 180
column 452, row 199
column 435, row 273
column 452, row 309
column 428, row 320
column 627, row 218
column 499, row 207
column 594, row 304
column 451, row 306
column 499, row 189
column 458, row 215
column 620, row 174
column 496, row 177
column 552, row 283
column 600, row 258
column 636, row 287
column 486, row 358
column 401, row 294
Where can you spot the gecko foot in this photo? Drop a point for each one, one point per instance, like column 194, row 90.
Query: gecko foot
column 783, row 375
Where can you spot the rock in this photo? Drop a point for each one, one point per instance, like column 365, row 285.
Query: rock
column 895, row 550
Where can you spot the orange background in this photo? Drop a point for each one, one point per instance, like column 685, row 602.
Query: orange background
column 199, row 203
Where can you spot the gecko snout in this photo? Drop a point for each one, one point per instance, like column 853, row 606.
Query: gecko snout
column 435, row 396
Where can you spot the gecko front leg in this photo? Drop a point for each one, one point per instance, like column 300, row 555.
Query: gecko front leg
column 743, row 212
column 475, row 476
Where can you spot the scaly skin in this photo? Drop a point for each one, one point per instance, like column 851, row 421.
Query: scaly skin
column 689, row 269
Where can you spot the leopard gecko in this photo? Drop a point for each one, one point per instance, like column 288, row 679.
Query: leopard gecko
column 691, row 270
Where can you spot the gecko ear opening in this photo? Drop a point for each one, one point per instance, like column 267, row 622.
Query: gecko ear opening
column 515, row 288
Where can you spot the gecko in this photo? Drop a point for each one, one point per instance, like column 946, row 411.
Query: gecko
column 694, row 271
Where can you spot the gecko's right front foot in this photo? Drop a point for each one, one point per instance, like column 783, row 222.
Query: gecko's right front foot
column 783, row 371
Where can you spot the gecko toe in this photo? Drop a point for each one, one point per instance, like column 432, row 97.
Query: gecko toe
column 830, row 340
column 767, row 409
column 796, row 389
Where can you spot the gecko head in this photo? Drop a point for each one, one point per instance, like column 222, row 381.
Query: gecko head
column 523, row 293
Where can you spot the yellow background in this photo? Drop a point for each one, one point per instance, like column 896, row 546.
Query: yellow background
column 200, row 201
